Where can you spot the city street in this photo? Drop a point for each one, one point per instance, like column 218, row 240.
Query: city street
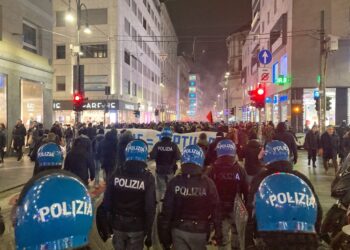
column 15, row 174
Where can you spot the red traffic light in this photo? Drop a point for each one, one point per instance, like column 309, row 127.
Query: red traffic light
column 260, row 91
column 77, row 97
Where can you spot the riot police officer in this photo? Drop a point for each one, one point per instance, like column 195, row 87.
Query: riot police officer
column 49, row 156
column 130, row 199
column 54, row 211
column 284, row 209
column 230, row 179
column 190, row 200
column 166, row 153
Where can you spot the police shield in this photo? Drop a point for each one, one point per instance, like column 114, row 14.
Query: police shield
column 241, row 218
column 102, row 223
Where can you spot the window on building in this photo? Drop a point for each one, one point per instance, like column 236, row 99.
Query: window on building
column 139, row 15
column 30, row 37
column 149, row 8
column 275, row 72
column 126, row 87
column 144, row 23
column 94, row 51
column 127, row 2
column 95, row 82
column 139, row 91
column 60, row 83
column 133, row 34
column 95, row 16
column 139, row 41
column 134, row 7
column 60, row 19
column 275, row 6
column 139, row 66
column 134, row 89
column 268, row 17
column 284, row 66
column 127, row 57
column 262, row 27
column 127, row 26
column 61, row 52
column 134, row 62
column 145, row 3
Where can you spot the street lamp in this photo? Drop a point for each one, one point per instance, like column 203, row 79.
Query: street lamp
column 79, row 69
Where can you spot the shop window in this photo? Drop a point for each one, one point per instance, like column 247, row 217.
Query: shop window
column 3, row 99
column 60, row 19
column 127, row 26
column 30, row 37
column 61, row 52
column 32, row 107
column 60, row 83
column 95, row 83
column 127, row 57
column 94, row 51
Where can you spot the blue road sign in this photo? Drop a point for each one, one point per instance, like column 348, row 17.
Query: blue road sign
column 265, row 56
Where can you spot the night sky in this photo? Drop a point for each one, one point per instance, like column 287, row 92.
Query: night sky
column 211, row 21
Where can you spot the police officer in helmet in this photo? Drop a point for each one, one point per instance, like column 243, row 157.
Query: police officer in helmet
column 191, row 201
column 54, row 211
column 284, row 210
column 49, row 156
column 130, row 199
column 166, row 153
column 230, row 179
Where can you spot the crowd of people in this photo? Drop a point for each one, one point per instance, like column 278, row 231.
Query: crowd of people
column 196, row 201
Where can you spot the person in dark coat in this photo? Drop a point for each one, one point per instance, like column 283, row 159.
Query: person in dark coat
column 68, row 135
column 18, row 134
column 312, row 141
column 252, row 164
column 283, row 135
column 79, row 162
column 2, row 142
column 210, row 156
column 345, row 146
column 203, row 142
column 329, row 147
column 124, row 139
column 107, row 151
column 91, row 132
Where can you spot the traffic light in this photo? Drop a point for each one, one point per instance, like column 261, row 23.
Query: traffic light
column 317, row 104
column 233, row 111
column 78, row 102
column 260, row 97
column 328, row 103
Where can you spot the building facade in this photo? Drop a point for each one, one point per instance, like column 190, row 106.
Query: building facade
column 291, row 32
column 182, row 100
column 25, row 69
column 122, row 52
column 234, row 45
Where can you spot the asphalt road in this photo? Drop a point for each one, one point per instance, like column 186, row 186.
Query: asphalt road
column 16, row 173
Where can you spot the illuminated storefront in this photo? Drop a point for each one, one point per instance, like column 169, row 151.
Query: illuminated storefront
column 118, row 111
column 3, row 99
column 32, row 106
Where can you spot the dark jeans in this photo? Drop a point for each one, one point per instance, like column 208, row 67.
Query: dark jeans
column 128, row 240
column 18, row 151
column 334, row 163
column 2, row 154
column 311, row 155
column 188, row 241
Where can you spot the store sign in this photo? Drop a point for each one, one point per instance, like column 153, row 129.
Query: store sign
column 90, row 105
column 127, row 106
column 283, row 98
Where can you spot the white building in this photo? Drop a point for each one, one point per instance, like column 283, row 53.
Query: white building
column 123, row 52
column 290, row 30
column 234, row 45
column 25, row 62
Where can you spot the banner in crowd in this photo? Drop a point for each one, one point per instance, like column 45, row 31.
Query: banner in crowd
column 182, row 140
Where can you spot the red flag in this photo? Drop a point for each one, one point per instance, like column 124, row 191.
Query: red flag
column 210, row 117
